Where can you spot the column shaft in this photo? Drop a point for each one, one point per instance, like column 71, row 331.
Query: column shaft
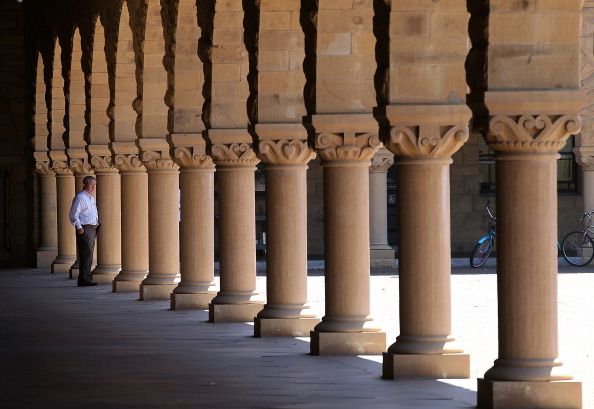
column 163, row 217
column 378, row 203
column 48, row 228
column 197, row 239
column 66, row 235
column 109, row 243
column 588, row 189
column 135, row 260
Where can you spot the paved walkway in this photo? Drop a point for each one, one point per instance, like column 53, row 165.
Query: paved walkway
column 67, row 347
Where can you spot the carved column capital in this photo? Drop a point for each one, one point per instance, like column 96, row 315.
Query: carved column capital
column 427, row 131
column 193, row 157
column 232, row 148
column 348, row 137
column 532, row 121
column 283, row 144
column 382, row 160
column 44, row 168
column 158, row 161
column 129, row 163
column 584, row 156
column 103, row 164
column 61, row 168
column 80, row 167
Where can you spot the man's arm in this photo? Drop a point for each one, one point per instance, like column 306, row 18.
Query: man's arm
column 75, row 212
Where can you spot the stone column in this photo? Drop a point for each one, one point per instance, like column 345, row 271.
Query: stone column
column 382, row 253
column 346, row 144
column 47, row 250
column 284, row 149
column 66, row 234
column 424, row 138
column 163, row 219
column 526, row 131
column 236, row 162
column 585, row 158
column 109, row 236
column 195, row 290
column 80, row 168
column 134, row 191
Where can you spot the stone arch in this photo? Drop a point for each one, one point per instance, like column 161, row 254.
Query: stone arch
column 58, row 101
column 40, row 116
column 99, row 86
column 77, row 96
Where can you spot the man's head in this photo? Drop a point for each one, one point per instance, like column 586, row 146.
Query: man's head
column 89, row 183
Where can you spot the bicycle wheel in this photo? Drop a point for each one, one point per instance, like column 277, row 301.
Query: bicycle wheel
column 480, row 251
column 577, row 248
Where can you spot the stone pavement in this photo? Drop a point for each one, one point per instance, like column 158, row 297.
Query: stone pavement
column 67, row 347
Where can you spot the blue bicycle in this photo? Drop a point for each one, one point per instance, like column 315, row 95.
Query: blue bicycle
column 483, row 247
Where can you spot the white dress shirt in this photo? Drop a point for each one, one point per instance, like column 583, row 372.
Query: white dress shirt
column 83, row 210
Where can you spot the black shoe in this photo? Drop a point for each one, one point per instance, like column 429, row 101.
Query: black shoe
column 86, row 284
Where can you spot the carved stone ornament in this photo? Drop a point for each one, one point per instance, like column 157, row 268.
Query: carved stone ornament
column 129, row 163
column 382, row 161
column 192, row 158
column 286, row 152
column 157, row 160
column 61, row 168
column 234, row 154
column 80, row 167
column 427, row 140
column 531, row 133
column 44, row 168
column 348, row 146
column 584, row 156
column 103, row 164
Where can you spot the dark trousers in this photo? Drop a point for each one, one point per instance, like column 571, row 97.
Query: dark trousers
column 85, row 244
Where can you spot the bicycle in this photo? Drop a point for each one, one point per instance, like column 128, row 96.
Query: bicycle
column 578, row 246
column 483, row 247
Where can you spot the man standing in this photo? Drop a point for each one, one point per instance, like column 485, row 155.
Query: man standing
column 84, row 217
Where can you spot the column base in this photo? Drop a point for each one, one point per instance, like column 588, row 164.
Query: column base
column 198, row 301
column 150, row 292
column 433, row 366
column 234, row 312
column 521, row 394
column 73, row 273
column 62, row 266
column 105, row 274
column 45, row 258
column 347, row 343
column 284, row 327
column 120, row 286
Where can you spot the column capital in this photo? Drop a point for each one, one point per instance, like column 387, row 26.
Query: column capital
column 189, row 151
column 155, row 154
column 232, row 148
column 61, row 168
column 103, row 164
column 427, row 131
column 532, row 121
column 382, row 160
column 283, row 144
column 584, row 156
column 129, row 163
column 80, row 166
column 43, row 168
column 349, row 137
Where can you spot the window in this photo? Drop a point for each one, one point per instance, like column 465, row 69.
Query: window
column 566, row 168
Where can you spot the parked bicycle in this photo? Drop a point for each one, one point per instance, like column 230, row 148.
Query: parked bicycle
column 578, row 246
column 483, row 247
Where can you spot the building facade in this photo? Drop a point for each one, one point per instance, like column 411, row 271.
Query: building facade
column 309, row 123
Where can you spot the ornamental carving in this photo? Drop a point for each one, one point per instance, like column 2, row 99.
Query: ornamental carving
column 129, row 163
column 234, row 154
column 584, row 156
column 156, row 160
column 427, row 140
column 351, row 146
column 80, row 167
column 103, row 164
column 382, row 161
column 61, row 168
column 192, row 158
column 286, row 152
column 44, row 168
column 531, row 133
